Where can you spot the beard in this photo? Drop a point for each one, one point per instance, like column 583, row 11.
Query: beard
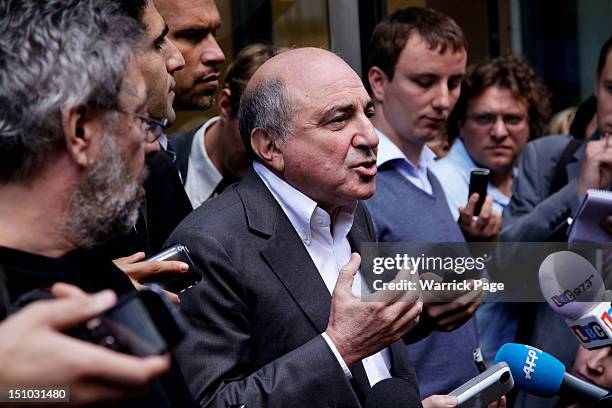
column 194, row 101
column 106, row 200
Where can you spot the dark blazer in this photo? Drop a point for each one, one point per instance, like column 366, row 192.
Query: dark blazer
column 167, row 201
column 181, row 143
column 259, row 311
column 534, row 214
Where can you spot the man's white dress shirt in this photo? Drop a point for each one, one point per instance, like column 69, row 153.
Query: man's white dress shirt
column 328, row 246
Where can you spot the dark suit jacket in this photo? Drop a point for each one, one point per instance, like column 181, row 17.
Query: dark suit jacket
column 167, row 201
column 181, row 144
column 534, row 214
column 258, row 313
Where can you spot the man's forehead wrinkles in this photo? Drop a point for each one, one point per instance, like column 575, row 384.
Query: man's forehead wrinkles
column 351, row 100
column 322, row 113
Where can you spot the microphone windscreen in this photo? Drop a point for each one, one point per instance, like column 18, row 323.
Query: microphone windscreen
column 570, row 284
column 392, row 393
column 533, row 370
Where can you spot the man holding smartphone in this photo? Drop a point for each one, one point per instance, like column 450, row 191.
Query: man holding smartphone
column 417, row 62
column 503, row 105
column 554, row 174
column 165, row 203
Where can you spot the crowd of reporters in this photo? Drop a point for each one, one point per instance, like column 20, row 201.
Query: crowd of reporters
column 273, row 197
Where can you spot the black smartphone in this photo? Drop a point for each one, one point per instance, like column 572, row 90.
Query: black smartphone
column 479, row 181
column 170, row 281
column 142, row 323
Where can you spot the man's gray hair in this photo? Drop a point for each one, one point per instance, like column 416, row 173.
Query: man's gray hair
column 267, row 106
column 56, row 55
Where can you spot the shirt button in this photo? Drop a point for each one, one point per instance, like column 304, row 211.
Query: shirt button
column 307, row 241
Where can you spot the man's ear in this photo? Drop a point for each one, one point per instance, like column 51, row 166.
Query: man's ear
column 378, row 79
column 82, row 127
column 225, row 105
column 267, row 148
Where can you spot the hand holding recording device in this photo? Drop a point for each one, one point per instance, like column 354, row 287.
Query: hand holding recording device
column 479, row 181
column 172, row 281
column 142, row 323
column 541, row 374
column 486, row 388
column 574, row 289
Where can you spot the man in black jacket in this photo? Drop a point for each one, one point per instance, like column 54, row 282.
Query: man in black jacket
column 166, row 202
column 72, row 138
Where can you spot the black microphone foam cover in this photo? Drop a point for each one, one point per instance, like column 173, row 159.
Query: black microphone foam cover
column 393, row 393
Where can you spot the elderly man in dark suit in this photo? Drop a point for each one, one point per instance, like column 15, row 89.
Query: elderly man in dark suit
column 276, row 319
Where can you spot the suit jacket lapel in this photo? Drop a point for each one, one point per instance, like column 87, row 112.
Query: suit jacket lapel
column 292, row 264
column 402, row 367
column 301, row 278
column 359, row 232
column 285, row 252
column 573, row 167
column 290, row 261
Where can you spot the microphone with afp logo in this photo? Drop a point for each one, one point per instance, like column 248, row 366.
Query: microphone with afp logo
column 575, row 290
column 539, row 373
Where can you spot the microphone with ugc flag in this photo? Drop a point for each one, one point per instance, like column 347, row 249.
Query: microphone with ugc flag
column 575, row 290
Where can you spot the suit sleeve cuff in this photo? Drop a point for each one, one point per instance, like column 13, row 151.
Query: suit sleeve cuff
column 332, row 346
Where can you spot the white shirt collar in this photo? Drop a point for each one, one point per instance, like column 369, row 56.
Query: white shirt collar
column 460, row 156
column 163, row 140
column 388, row 151
column 328, row 249
column 202, row 175
column 301, row 209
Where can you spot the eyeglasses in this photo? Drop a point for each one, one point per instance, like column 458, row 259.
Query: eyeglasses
column 489, row 119
column 153, row 128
